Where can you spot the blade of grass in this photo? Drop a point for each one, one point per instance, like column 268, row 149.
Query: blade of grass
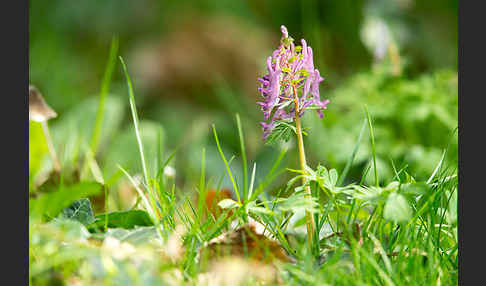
column 133, row 108
column 202, row 181
column 373, row 150
column 220, row 181
column 437, row 168
column 228, row 169
column 252, row 180
column 353, row 155
column 159, row 150
column 243, row 156
column 169, row 159
column 105, row 87
column 375, row 265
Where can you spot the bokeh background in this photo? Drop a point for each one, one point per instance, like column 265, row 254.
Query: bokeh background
column 195, row 63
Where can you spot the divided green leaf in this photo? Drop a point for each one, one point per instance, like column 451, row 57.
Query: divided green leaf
column 80, row 210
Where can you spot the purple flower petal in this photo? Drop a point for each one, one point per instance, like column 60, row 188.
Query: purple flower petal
column 284, row 77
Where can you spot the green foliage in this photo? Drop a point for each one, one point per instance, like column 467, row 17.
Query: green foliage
column 400, row 229
column 296, row 202
column 413, row 121
column 80, row 210
column 122, row 219
column 52, row 203
column 282, row 131
column 228, row 204
column 397, row 208
column 369, row 235
column 137, row 236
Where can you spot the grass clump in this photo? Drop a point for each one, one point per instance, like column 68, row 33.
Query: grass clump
column 400, row 230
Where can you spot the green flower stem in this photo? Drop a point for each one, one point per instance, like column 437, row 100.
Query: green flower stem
column 303, row 163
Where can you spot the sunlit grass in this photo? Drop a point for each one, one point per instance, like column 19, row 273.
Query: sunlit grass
column 401, row 233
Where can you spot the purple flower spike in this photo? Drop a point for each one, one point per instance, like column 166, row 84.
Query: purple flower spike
column 291, row 84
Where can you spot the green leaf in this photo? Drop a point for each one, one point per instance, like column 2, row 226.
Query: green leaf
column 228, row 204
column 51, row 204
column 333, row 177
column 298, row 201
column 392, row 186
column 281, row 131
column 228, row 169
column 415, row 189
column 137, row 236
column 252, row 207
column 80, row 210
column 261, row 210
column 397, row 208
column 123, row 219
column 364, row 193
column 133, row 108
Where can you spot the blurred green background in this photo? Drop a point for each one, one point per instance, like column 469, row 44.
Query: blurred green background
column 194, row 63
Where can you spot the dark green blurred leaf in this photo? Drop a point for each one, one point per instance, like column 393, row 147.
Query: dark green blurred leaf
column 52, row 203
column 124, row 219
column 79, row 210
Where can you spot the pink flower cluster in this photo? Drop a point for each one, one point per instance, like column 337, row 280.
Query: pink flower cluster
column 291, row 84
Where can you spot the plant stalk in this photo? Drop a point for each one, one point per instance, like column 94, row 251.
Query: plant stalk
column 303, row 163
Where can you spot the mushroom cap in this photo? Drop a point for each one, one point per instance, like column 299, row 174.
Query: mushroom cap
column 38, row 109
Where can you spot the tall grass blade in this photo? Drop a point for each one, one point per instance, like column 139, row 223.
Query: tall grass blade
column 373, row 150
column 105, row 87
column 243, row 156
column 353, row 155
column 133, row 108
column 228, row 169
column 252, row 180
column 437, row 167
column 202, row 181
